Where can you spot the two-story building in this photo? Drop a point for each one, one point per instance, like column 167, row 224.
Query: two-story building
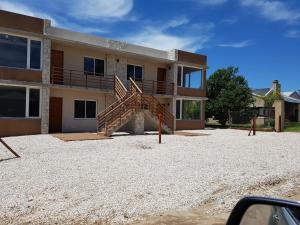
column 57, row 80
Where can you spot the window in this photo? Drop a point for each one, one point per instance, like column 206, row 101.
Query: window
column 14, row 100
column 189, row 77
column 13, row 51
column 264, row 111
column 84, row 109
column 188, row 110
column 179, row 71
column 18, row 103
column 35, row 54
column 90, row 109
column 94, row 66
column 178, row 109
column 34, row 102
column 19, row 52
column 135, row 72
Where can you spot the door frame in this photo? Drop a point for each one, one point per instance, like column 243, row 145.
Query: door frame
column 161, row 88
column 61, row 115
column 58, row 70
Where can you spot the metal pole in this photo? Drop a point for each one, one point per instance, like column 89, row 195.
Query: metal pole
column 159, row 128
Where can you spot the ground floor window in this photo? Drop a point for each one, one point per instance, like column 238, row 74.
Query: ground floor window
column 188, row 109
column 265, row 111
column 17, row 101
column 84, row 109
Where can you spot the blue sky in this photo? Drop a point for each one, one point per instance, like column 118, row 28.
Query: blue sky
column 261, row 37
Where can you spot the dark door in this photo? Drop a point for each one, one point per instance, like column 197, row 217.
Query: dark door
column 161, row 81
column 55, row 115
column 57, row 65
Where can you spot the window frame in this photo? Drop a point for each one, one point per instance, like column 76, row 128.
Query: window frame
column 181, row 76
column 27, row 101
column 85, row 100
column 29, row 39
column 134, row 65
column 94, row 59
column 189, row 99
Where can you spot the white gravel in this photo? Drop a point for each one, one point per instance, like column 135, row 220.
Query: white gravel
column 120, row 179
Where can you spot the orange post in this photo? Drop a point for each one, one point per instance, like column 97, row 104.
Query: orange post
column 159, row 128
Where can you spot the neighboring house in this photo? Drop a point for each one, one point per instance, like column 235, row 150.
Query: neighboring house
column 56, row 80
column 290, row 104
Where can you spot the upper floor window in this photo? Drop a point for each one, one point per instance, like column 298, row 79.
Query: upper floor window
column 35, row 54
column 135, row 72
column 20, row 52
column 93, row 66
column 189, row 77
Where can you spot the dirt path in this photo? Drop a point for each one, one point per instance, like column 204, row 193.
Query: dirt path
column 197, row 216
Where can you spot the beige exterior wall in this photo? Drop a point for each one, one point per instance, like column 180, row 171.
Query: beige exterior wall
column 114, row 64
column 279, row 112
column 69, row 123
column 258, row 102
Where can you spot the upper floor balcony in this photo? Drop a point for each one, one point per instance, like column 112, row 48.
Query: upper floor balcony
column 152, row 87
column 76, row 78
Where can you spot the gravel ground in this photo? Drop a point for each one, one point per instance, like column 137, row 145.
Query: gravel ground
column 118, row 180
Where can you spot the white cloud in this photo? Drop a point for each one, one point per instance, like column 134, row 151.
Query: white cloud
column 25, row 10
column 213, row 2
column 176, row 22
column 22, row 9
column 158, row 36
column 292, row 34
column 91, row 9
column 273, row 10
column 241, row 44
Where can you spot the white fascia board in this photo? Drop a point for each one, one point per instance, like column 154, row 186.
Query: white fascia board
column 120, row 46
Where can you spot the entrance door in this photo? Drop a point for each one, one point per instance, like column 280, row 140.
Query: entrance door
column 55, row 115
column 57, row 65
column 161, row 80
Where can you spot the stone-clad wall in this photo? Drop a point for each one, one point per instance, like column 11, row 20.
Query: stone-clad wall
column 45, row 87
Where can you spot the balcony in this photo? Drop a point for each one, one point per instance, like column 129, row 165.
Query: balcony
column 152, row 87
column 75, row 78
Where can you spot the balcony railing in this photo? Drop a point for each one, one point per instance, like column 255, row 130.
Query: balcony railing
column 156, row 87
column 75, row 78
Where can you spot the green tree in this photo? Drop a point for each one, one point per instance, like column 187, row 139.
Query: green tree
column 227, row 92
column 270, row 99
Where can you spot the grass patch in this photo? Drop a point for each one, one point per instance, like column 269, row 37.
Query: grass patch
column 292, row 127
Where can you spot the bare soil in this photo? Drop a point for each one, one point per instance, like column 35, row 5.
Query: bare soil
column 202, row 215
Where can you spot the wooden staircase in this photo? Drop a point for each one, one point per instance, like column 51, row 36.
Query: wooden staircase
column 128, row 104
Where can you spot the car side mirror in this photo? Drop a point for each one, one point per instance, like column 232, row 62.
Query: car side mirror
column 265, row 211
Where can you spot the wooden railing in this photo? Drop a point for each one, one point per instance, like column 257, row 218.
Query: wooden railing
column 134, row 88
column 156, row 108
column 119, row 88
column 156, row 87
column 68, row 77
column 114, row 117
column 131, row 102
